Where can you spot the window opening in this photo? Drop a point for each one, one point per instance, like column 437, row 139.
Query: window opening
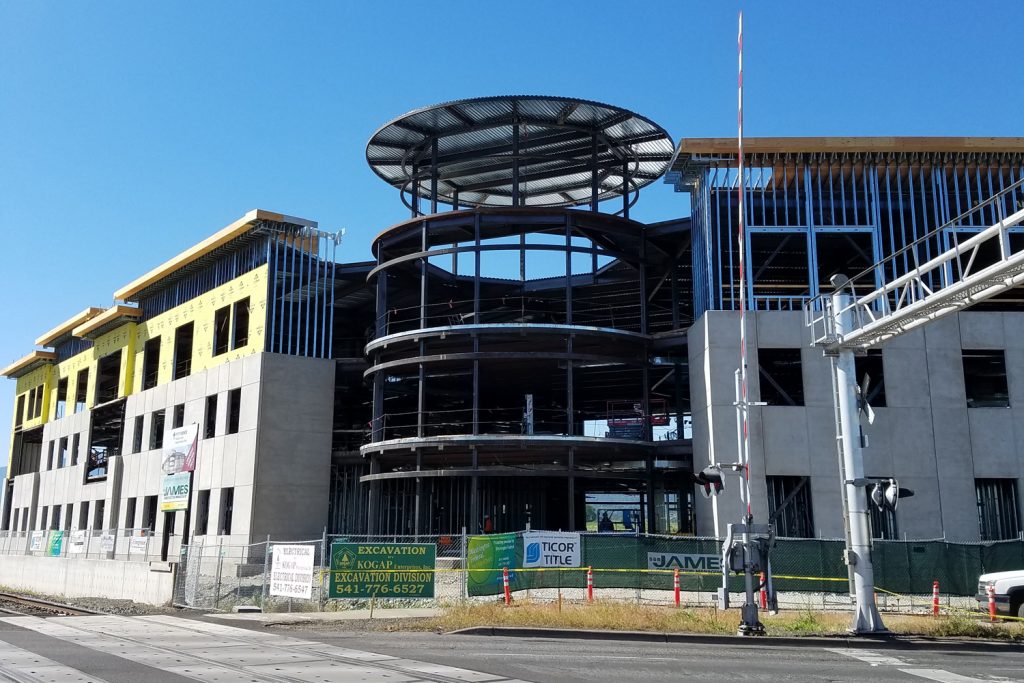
column 55, row 518
column 156, row 429
column 105, row 435
column 67, row 516
column 241, row 331
column 871, row 366
column 81, row 389
column 129, row 514
column 97, row 515
column 149, row 514
column 83, row 515
column 210, row 419
column 789, row 506
column 179, row 416
column 49, row 456
column 998, row 511
column 76, row 442
column 227, row 506
column 183, row 350
column 985, row 379
column 151, row 363
column 781, row 376
column 62, row 452
column 62, row 398
column 108, row 372
column 234, row 410
column 19, row 412
column 221, row 330
column 137, row 434
column 202, row 512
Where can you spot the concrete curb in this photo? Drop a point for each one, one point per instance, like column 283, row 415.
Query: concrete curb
column 888, row 642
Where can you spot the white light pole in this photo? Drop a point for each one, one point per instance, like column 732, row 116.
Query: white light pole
column 858, row 552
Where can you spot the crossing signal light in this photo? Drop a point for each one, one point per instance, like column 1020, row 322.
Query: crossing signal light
column 886, row 493
column 710, row 478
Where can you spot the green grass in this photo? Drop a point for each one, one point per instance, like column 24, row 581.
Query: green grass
column 617, row 616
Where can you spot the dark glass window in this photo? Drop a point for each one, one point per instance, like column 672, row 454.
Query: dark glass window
column 210, row 419
column 156, row 429
column 781, row 375
column 137, row 434
column 234, row 410
column 985, row 379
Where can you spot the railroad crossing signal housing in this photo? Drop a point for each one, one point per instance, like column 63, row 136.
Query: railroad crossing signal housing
column 710, row 478
column 886, row 493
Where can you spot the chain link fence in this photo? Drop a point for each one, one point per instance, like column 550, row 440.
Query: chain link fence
column 807, row 572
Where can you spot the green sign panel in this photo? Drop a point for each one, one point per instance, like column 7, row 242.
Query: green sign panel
column 488, row 556
column 55, row 543
column 383, row 570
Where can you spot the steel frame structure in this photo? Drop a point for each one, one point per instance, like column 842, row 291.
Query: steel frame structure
column 892, row 198
column 504, row 329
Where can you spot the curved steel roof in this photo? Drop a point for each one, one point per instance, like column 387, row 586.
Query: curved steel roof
column 475, row 140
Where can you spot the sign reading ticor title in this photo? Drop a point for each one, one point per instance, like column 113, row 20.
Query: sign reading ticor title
column 383, row 570
column 551, row 549
column 178, row 463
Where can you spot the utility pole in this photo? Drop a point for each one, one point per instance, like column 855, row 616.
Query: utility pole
column 848, row 436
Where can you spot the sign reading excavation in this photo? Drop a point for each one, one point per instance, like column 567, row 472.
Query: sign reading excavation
column 384, row 570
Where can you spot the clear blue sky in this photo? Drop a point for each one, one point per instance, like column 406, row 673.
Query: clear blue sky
column 131, row 130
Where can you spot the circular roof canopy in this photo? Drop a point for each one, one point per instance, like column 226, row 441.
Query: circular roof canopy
column 476, row 139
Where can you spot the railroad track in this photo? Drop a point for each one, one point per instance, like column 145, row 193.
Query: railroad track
column 23, row 605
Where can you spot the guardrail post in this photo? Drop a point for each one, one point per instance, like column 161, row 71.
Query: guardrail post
column 675, row 588
column 504, row 582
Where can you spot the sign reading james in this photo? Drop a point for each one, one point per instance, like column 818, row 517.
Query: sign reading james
column 685, row 562
column 291, row 571
column 384, row 570
column 174, row 492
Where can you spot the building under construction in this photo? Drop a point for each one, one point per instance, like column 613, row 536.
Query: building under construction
column 520, row 351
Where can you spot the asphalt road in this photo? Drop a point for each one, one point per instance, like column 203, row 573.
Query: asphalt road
column 167, row 649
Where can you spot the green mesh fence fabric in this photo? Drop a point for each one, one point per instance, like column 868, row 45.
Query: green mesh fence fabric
column 812, row 565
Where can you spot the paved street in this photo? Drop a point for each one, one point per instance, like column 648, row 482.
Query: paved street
column 161, row 649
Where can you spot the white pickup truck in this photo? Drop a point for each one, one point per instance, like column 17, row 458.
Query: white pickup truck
column 1009, row 592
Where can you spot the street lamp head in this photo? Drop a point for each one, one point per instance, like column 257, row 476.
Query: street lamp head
column 839, row 280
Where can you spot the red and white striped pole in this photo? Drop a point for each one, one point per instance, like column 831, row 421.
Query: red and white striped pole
column 764, row 592
column 508, row 591
column 935, row 598
column 675, row 587
column 991, row 603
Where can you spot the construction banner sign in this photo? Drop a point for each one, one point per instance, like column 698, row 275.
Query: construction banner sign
column 383, row 570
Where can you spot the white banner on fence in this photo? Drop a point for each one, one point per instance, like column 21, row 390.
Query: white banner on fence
column 36, row 540
column 551, row 549
column 137, row 545
column 107, row 543
column 77, row 542
column 291, row 571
